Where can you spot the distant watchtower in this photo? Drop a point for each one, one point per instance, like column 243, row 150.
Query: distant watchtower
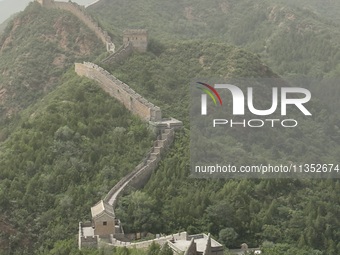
column 45, row 3
column 137, row 37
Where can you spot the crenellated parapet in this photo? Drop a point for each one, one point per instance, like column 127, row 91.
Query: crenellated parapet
column 121, row 91
column 147, row 111
column 86, row 239
column 80, row 13
column 137, row 37
column 141, row 174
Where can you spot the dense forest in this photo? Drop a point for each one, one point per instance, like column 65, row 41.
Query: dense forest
column 249, row 210
column 68, row 151
column 65, row 143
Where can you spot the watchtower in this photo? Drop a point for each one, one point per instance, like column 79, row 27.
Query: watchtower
column 103, row 219
column 137, row 37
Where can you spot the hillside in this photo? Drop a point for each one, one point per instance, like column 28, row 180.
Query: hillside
column 165, row 73
column 328, row 9
column 257, row 210
column 8, row 7
column 26, row 73
column 295, row 39
column 68, row 151
column 296, row 213
column 290, row 40
column 70, row 142
column 61, row 136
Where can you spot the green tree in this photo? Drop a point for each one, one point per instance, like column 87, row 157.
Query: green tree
column 166, row 250
column 154, row 249
column 227, row 236
column 139, row 211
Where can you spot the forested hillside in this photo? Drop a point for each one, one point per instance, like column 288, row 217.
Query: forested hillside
column 300, row 214
column 69, row 142
column 328, row 9
column 9, row 7
column 294, row 39
column 58, row 155
column 291, row 40
column 68, row 151
column 36, row 48
column 168, row 70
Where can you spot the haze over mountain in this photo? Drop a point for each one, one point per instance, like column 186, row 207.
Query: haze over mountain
column 326, row 8
column 10, row 7
column 290, row 38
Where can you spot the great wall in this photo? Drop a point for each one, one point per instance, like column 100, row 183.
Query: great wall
column 105, row 229
column 80, row 13
column 128, row 97
column 122, row 53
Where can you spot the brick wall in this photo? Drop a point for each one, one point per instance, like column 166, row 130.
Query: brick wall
column 102, row 229
column 89, row 242
column 145, row 244
column 80, row 13
column 141, row 174
column 119, row 90
column 86, row 242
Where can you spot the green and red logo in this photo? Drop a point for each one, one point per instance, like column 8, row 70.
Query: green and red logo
column 211, row 91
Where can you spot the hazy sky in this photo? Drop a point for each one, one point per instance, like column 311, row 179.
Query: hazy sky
column 9, row 7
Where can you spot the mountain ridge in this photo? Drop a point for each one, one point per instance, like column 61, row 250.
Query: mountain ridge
column 59, row 160
column 23, row 80
column 282, row 35
column 8, row 7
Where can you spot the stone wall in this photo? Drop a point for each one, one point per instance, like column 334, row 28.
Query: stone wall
column 122, row 182
column 80, row 13
column 88, row 241
column 215, row 249
column 141, row 174
column 119, row 90
column 104, row 229
column 145, row 244
column 122, row 53
column 161, row 145
column 137, row 37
